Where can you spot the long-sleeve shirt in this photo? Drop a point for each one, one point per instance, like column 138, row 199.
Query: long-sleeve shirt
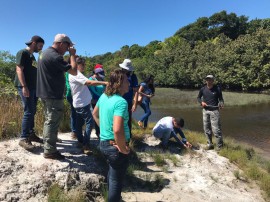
column 165, row 129
column 212, row 97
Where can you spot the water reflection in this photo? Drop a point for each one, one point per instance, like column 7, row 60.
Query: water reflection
column 248, row 124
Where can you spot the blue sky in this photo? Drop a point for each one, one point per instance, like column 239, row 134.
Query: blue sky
column 100, row 26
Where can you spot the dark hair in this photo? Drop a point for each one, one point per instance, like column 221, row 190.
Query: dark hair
column 180, row 122
column 115, row 82
column 150, row 85
column 80, row 60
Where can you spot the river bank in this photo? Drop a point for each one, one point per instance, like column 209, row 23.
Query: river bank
column 196, row 176
column 245, row 117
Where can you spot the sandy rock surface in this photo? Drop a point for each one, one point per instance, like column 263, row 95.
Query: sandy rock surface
column 26, row 176
column 199, row 176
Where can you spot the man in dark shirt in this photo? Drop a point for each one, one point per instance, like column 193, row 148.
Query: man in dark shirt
column 25, row 81
column 50, row 88
column 131, row 96
column 212, row 101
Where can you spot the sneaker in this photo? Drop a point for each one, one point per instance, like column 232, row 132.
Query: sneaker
column 57, row 155
column 140, row 124
column 73, row 136
column 209, row 147
column 86, row 150
column 34, row 138
column 59, row 140
column 26, row 144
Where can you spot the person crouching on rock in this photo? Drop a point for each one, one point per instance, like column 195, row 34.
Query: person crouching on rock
column 111, row 114
column 167, row 128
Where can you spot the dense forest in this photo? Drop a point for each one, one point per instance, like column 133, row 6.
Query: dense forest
column 233, row 48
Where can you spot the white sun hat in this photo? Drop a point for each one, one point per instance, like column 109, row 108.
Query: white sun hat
column 127, row 65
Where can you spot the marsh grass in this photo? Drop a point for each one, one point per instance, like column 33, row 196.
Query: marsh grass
column 172, row 158
column 11, row 117
column 253, row 166
column 159, row 160
column 179, row 98
column 104, row 192
column 56, row 193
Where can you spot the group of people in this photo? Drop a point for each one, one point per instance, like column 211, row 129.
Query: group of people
column 113, row 102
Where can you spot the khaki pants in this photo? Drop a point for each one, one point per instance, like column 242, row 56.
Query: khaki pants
column 211, row 123
column 53, row 110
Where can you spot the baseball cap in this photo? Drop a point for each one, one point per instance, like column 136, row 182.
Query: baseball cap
column 209, row 77
column 36, row 39
column 63, row 38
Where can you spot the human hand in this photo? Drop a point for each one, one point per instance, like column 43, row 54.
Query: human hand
column 124, row 150
column 25, row 91
column 221, row 106
column 188, row 145
column 134, row 107
column 204, row 104
column 72, row 50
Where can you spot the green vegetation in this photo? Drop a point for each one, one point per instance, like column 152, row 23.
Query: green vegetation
column 233, row 48
column 56, row 193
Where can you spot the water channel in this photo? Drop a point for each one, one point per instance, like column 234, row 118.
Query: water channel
column 247, row 124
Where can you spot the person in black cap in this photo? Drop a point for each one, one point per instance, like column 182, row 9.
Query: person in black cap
column 25, row 81
column 211, row 103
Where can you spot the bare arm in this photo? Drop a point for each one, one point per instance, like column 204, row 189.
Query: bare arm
column 140, row 91
column 19, row 71
column 95, row 83
column 95, row 114
column 119, row 134
column 134, row 106
column 73, row 69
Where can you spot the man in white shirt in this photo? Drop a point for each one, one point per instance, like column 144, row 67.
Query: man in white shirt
column 81, row 102
column 167, row 128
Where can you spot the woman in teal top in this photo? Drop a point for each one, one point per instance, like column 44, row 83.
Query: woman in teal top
column 111, row 114
column 97, row 91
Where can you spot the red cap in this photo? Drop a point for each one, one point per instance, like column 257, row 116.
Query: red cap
column 98, row 66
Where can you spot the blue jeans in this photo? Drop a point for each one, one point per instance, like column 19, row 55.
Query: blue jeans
column 29, row 110
column 118, row 164
column 72, row 115
column 165, row 135
column 84, row 116
column 147, row 112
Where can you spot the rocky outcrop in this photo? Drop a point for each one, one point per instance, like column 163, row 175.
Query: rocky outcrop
column 26, row 176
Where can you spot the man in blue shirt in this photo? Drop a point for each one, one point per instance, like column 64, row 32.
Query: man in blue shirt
column 133, row 88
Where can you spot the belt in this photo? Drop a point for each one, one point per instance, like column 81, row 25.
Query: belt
column 211, row 109
column 112, row 142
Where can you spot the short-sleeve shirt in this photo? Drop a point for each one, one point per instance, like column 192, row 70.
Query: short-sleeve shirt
column 133, row 83
column 147, row 91
column 51, row 74
column 80, row 93
column 110, row 106
column 27, row 60
column 96, row 91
